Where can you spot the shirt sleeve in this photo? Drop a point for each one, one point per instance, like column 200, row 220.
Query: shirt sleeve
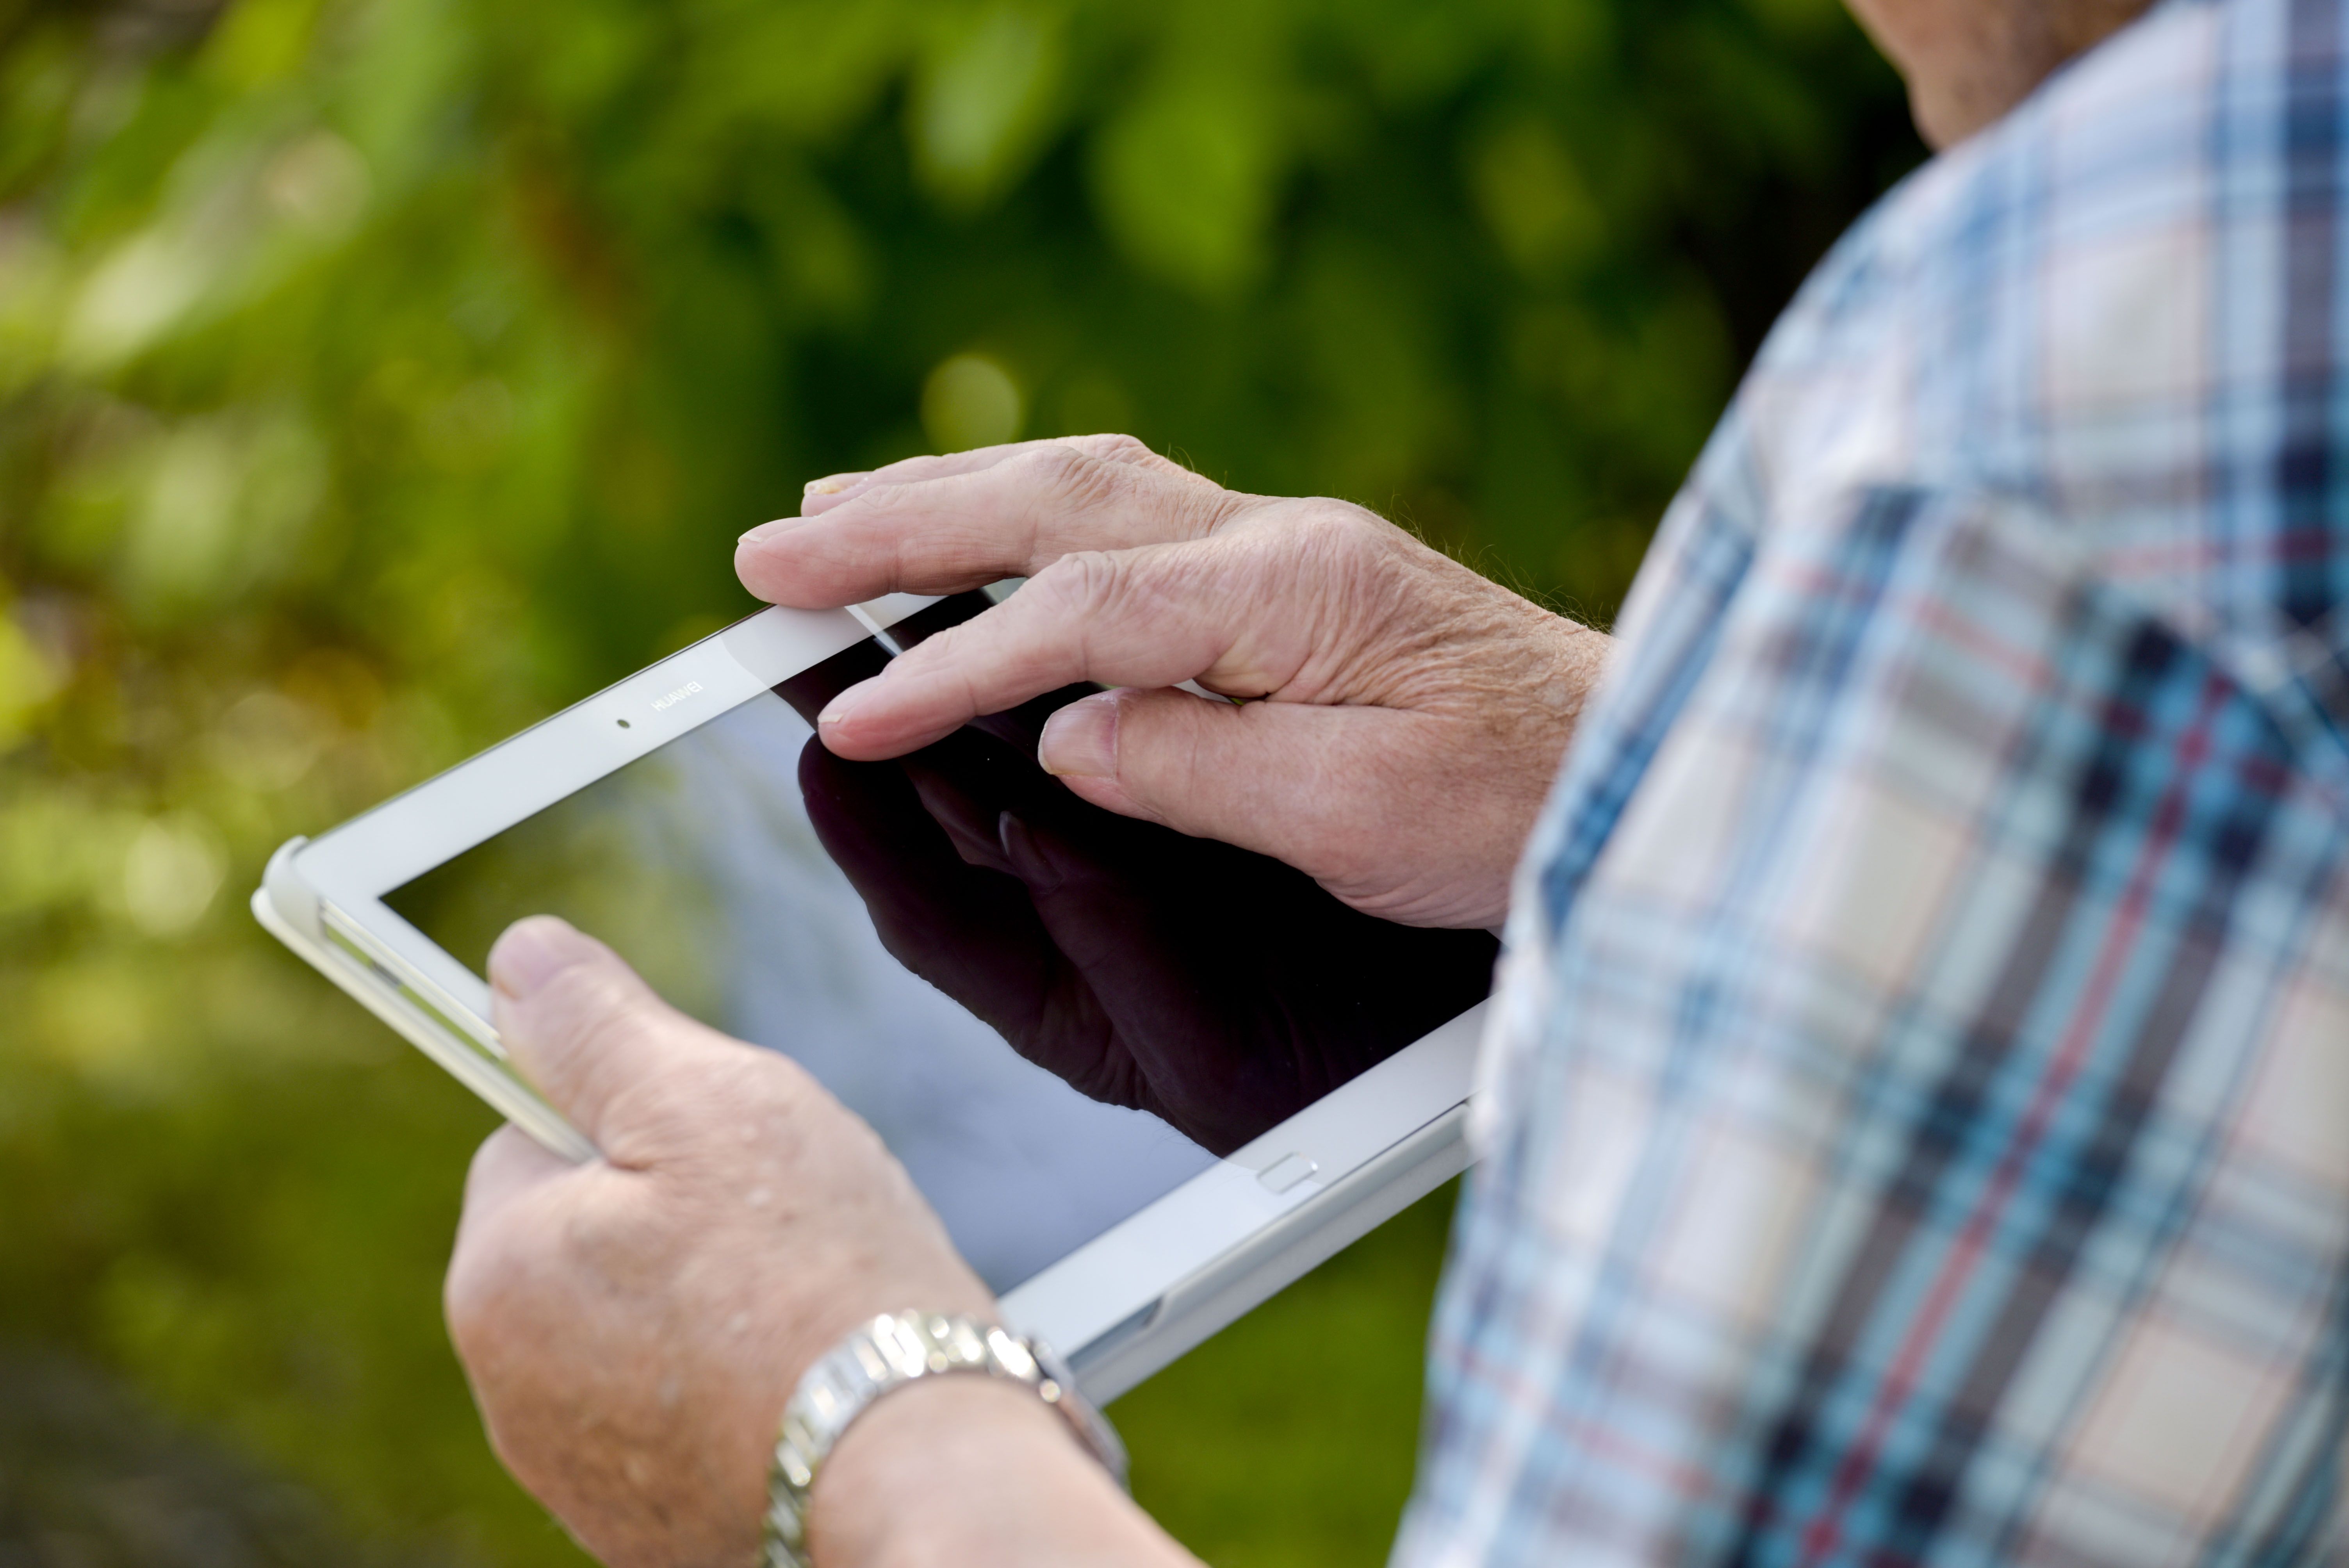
column 1917, row 1128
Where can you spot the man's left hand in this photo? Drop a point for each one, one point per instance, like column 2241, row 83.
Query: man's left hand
column 633, row 1326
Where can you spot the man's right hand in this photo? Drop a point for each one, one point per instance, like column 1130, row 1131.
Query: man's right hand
column 1413, row 712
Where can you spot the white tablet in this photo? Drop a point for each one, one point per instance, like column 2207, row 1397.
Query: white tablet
column 1145, row 1079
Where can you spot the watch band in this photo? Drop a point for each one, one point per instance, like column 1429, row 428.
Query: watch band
column 887, row 1353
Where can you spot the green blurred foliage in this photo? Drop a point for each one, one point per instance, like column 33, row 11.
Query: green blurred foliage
column 376, row 376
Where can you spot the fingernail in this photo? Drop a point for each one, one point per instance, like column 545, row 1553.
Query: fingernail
column 1080, row 741
column 1027, row 856
column 531, row 950
column 832, row 484
column 845, row 703
column 769, row 529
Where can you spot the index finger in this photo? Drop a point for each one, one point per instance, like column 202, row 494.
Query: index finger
column 510, row 1163
column 1011, row 518
column 825, row 494
column 1134, row 618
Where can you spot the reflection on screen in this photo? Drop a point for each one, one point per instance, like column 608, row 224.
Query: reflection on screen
column 1052, row 1016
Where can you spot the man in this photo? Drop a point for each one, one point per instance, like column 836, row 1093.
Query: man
column 1917, row 1124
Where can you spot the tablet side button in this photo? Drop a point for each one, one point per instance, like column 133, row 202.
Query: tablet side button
column 1286, row 1173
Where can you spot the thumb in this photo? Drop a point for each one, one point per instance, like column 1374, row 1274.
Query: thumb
column 580, row 1027
column 1297, row 782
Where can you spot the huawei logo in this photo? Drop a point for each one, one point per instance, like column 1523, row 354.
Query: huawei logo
column 678, row 695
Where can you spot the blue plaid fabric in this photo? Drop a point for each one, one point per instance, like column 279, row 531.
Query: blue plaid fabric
column 1915, row 1123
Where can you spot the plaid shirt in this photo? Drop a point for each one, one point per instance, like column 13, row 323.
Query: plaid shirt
column 1917, row 1121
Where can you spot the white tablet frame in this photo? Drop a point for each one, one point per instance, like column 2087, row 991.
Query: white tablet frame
column 1120, row 1305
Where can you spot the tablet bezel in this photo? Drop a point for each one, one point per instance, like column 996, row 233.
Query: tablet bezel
column 1110, row 1286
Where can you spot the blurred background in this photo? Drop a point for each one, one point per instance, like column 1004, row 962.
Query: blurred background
column 379, row 376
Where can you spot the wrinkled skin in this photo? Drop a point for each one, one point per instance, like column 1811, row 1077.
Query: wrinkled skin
column 633, row 1326
column 1411, row 715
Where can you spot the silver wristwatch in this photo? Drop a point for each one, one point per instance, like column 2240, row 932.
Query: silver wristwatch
column 888, row 1352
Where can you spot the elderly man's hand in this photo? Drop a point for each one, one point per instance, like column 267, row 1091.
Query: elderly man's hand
column 633, row 1326
column 1414, row 712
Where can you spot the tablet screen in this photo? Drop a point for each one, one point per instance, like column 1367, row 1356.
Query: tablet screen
column 1052, row 1015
